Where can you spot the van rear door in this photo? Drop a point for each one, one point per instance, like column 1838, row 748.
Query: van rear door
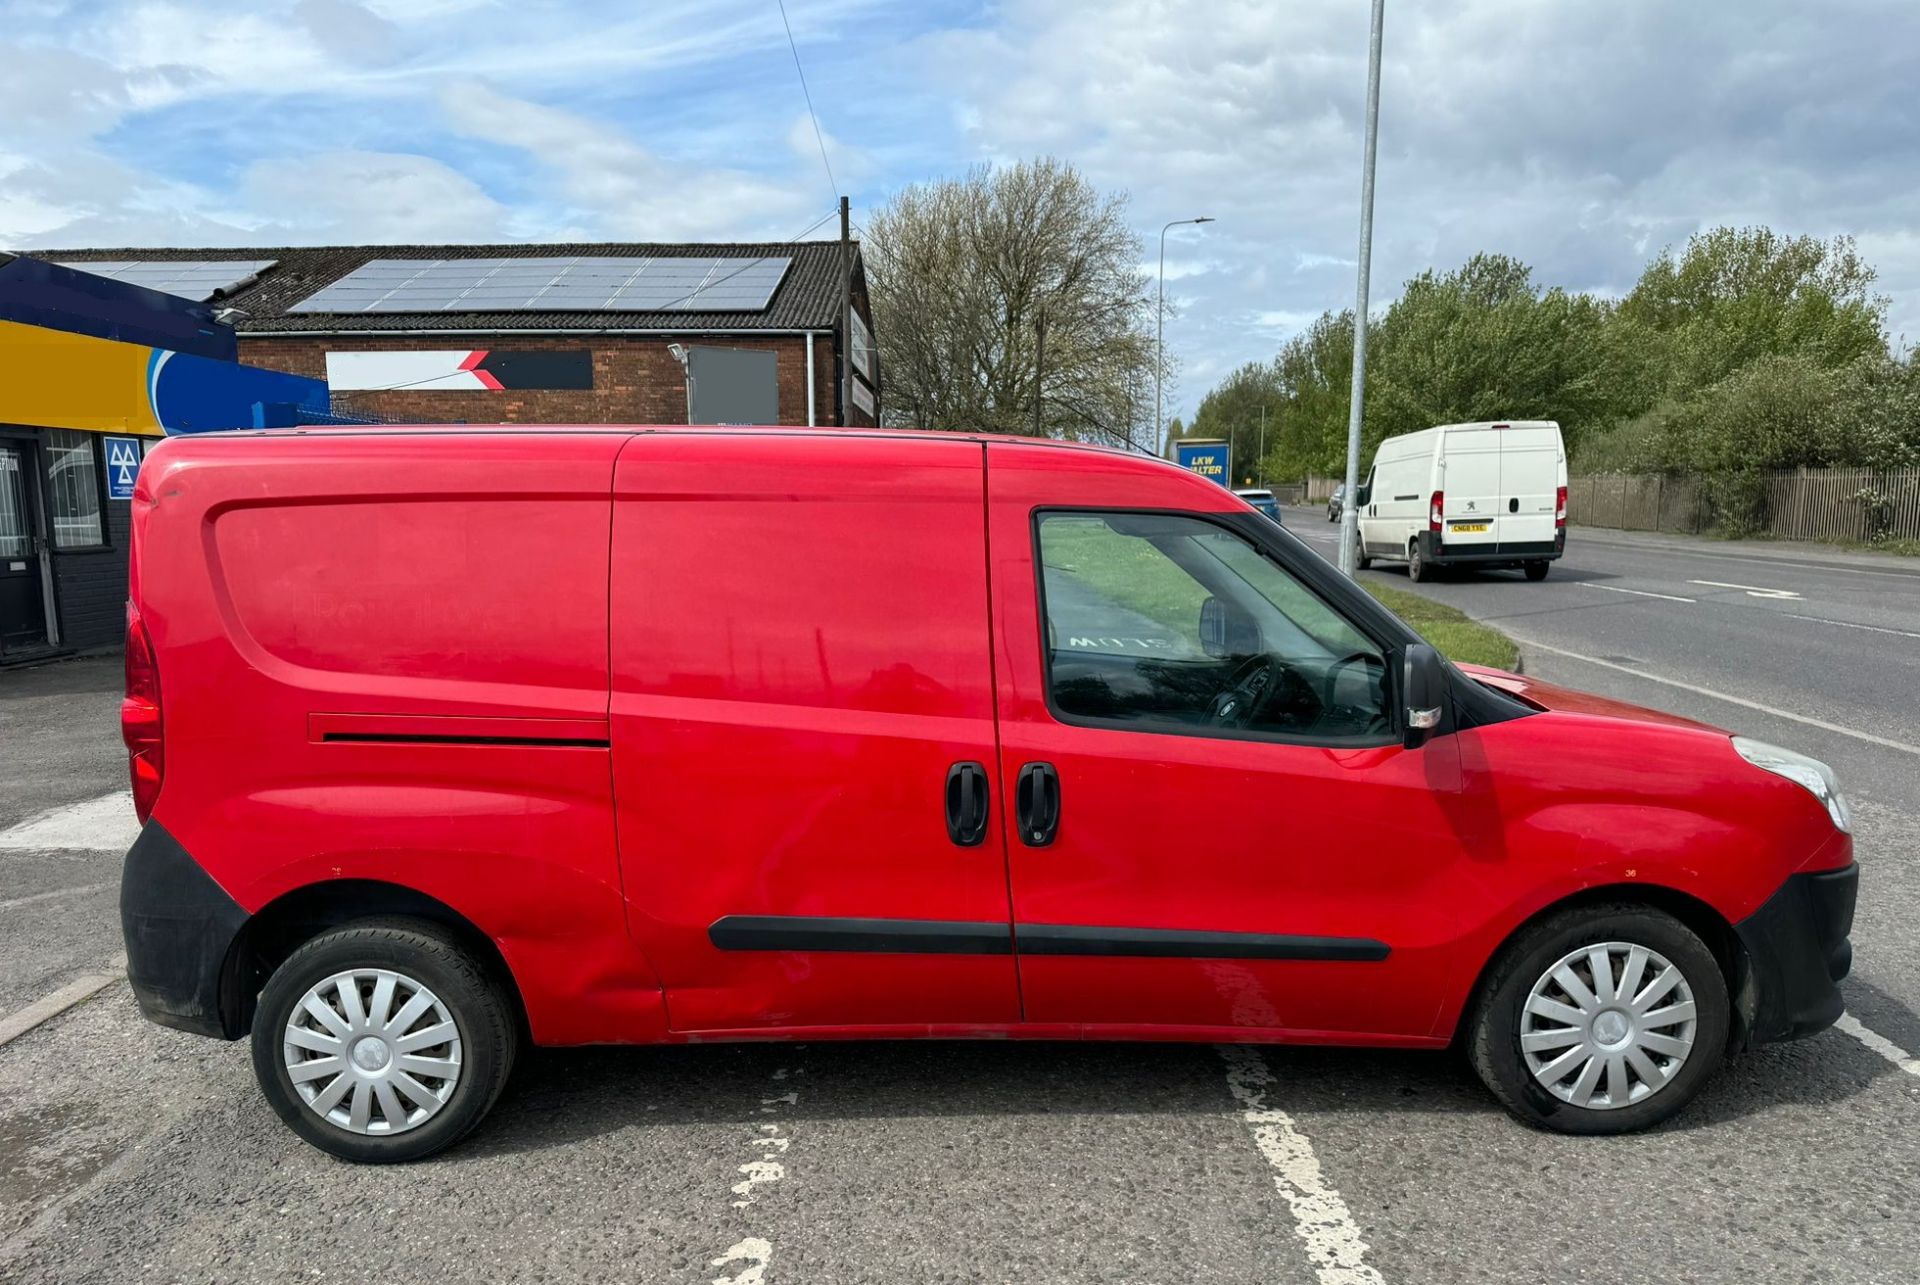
column 1470, row 477
column 1529, row 478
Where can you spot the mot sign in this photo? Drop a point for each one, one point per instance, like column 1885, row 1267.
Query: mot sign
column 1211, row 460
column 123, row 466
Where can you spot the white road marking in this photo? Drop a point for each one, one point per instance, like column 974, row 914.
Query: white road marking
column 1743, row 702
column 1879, row 1043
column 1752, row 590
column 761, row 1173
column 14, row 1025
column 1848, row 624
column 1320, row 1216
column 98, row 825
column 55, row 895
column 755, row 1253
column 1642, row 593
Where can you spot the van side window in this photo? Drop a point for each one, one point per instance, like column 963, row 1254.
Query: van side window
column 1173, row 623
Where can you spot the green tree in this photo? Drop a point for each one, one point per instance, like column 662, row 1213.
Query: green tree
column 1484, row 342
column 1237, row 410
column 966, row 274
column 1734, row 295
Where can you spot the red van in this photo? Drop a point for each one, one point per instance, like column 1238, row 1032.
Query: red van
column 450, row 740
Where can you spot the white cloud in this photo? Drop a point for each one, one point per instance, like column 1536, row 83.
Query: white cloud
column 371, row 196
column 1579, row 137
column 614, row 187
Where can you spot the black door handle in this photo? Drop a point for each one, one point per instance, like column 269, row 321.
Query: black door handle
column 967, row 804
column 1036, row 800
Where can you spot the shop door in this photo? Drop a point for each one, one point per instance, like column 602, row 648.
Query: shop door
column 23, row 614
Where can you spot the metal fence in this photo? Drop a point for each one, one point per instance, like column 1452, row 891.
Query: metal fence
column 1804, row 504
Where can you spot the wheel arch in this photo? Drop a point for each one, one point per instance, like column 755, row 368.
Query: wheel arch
column 283, row 925
column 1701, row 918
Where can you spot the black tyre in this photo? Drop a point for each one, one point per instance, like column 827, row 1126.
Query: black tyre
column 1417, row 566
column 383, row 1041
column 1564, row 1049
column 1536, row 570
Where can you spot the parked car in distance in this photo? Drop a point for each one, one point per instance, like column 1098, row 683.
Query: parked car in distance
column 1483, row 495
column 1336, row 501
column 1262, row 500
column 444, row 742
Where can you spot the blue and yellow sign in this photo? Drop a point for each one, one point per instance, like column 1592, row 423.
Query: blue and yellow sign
column 58, row 379
column 1211, row 460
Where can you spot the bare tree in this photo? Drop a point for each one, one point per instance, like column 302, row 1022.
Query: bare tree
column 967, row 273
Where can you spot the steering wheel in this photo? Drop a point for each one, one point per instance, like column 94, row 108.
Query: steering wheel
column 1245, row 692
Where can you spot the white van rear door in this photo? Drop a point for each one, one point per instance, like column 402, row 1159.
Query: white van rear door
column 1529, row 481
column 1470, row 477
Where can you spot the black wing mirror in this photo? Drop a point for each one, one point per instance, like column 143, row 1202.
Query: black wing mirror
column 1423, row 687
column 1226, row 630
column 1213, row 627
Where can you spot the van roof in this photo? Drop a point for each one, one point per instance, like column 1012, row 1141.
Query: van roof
column 1501, row 423
column 769, row 430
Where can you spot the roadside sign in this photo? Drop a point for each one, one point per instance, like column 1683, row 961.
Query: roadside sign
column 123, row 465
column 1210, row 460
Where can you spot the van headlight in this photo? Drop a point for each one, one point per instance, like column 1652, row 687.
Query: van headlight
column 1809, row 773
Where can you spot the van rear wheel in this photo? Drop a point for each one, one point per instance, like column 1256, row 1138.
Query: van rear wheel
column 1600, row 1019
column 383, row 1041
column 1536, row 570
column 1417, row 566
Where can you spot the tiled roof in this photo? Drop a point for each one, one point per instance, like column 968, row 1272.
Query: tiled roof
column 809, row 296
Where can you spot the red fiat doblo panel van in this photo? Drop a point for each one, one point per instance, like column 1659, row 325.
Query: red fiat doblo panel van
column 448, row 740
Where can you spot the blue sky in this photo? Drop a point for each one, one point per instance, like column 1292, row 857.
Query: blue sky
column 1581, row 137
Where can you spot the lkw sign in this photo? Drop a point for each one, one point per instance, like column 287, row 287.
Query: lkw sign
column 1211, row 460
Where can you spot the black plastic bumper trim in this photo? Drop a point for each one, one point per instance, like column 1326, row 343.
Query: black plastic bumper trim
column 1799, row 949
column 179, row 927
column 1440, row 553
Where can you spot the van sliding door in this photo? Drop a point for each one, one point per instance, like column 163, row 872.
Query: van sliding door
column 803, row 731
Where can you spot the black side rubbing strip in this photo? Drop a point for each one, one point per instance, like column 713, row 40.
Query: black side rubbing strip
column 959, row 937
column 876, row 936
column 1174, row 943
column 406, row 738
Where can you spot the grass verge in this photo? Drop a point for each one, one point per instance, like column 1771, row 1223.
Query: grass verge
column 1458, row 636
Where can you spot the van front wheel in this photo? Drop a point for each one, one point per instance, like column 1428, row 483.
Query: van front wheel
column 1600, row 1019
column 383, row 1041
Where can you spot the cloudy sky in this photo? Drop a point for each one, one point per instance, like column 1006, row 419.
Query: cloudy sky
column 1579, row 135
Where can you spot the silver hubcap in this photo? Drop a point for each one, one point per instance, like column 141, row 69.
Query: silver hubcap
column 1608, row 1026
column 372, row 1051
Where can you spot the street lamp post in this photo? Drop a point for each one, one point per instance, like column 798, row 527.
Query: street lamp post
column 1349, row 511
column 1160, row 339
column 1260, row 460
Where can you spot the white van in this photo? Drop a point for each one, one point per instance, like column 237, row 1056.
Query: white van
column 1489, row 495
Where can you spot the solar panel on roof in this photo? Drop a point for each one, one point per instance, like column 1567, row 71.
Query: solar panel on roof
column 197, row 279
column 554, row 284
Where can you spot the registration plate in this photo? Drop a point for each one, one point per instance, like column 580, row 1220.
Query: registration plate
column 1459, row 527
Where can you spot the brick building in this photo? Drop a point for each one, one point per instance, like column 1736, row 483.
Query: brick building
column 590, row 333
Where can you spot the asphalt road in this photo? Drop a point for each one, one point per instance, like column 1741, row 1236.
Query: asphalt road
column 131, row 1153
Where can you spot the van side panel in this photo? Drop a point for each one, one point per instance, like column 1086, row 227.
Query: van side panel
column 383, row 657
column 800, row 655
